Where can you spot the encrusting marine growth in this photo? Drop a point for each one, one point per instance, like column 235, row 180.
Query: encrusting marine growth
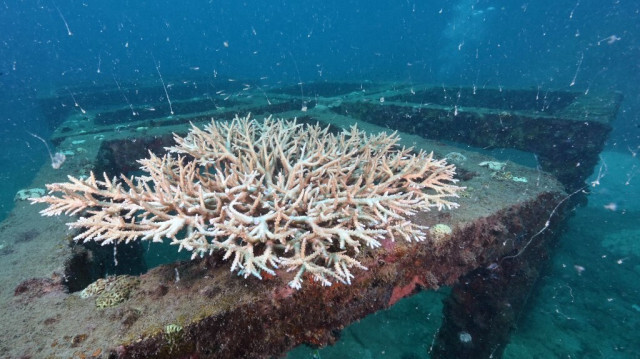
column 269, row 194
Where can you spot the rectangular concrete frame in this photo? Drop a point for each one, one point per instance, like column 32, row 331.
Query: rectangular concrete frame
column 217, row 314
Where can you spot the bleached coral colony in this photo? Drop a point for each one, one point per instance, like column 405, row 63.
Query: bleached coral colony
column 270, row 194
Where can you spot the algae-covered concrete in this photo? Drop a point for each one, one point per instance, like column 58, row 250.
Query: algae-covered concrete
column 199, row 308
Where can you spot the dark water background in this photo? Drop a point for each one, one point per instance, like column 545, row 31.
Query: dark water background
column 594, row 44
column 586, row 45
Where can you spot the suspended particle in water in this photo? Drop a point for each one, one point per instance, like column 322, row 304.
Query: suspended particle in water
column 465, row 338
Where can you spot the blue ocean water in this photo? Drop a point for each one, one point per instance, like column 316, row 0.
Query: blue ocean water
column 585, row 45
column 546, row 44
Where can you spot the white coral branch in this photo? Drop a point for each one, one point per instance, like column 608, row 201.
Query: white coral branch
column 267, row 194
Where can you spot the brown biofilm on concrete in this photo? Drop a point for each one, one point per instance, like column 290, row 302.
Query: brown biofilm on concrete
column 223, row 315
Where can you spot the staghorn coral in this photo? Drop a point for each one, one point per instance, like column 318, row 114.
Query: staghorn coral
column 268, row 194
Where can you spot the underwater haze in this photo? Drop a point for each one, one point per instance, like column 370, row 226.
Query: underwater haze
column 543, row 44
column 587, row 304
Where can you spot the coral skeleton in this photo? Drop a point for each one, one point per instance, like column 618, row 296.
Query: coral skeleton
column 270, row 194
